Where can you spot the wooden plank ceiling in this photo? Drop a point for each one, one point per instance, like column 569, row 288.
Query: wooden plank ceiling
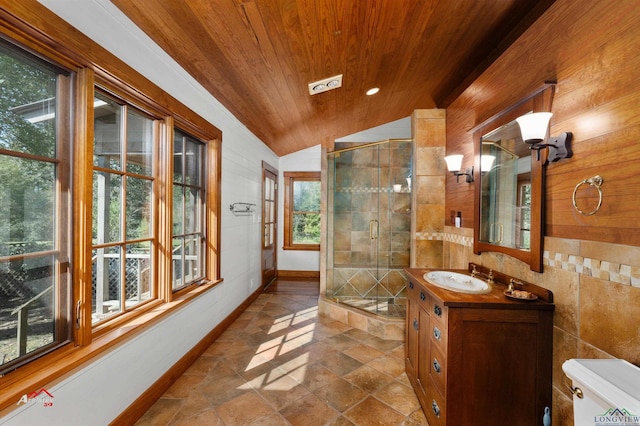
column 257, row 57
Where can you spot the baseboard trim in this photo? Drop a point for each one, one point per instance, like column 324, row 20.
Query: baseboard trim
column 141, row 405
column 298, row 274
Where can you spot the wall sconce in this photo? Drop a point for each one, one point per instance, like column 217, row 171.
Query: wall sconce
column 454, row 165
column 534, row 130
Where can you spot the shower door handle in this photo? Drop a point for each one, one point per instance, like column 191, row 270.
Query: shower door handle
column 373, row 229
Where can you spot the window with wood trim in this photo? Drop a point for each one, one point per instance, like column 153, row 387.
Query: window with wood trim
column 124, row 232
column 86, row 202
column 35, row 284
column 302, row 211
column 188, row 239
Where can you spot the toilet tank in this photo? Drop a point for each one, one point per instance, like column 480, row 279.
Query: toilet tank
column 610, row 390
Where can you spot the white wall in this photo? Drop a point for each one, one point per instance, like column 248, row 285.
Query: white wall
column 307, row 160
column 398, row 129
column 99, row 392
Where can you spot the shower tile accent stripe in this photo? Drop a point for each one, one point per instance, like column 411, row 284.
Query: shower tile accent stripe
column 363, row 189
column 441, row 236
column 429, row 236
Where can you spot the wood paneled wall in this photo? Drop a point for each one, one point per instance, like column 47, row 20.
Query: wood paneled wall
column 591, row 48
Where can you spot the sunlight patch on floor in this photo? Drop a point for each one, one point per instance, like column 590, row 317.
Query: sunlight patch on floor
column 289, row 374
column 273, row 343
column 293, row 319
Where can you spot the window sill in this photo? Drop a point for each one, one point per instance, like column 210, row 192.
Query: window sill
column 302, row 247
column 51, row 367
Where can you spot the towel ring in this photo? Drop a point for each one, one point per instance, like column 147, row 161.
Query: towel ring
column 595, row 181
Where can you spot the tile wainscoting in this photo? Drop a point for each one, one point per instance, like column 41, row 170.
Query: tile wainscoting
column 596, row 289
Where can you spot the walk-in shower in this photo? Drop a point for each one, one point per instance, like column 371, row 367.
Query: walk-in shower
column 369, row 225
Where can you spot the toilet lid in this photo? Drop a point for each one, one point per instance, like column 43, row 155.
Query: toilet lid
column 614, row 380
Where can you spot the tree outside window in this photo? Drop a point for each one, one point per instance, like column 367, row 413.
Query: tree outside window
column 34, row 182
column 302, row 211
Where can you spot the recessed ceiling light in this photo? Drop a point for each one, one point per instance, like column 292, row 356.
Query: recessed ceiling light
column 373, row 91
column 326, row 84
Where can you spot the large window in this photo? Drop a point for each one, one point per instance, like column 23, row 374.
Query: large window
column 34, row 204
column 302, row 211
column 124, row 236
column 106, row 211
column 187, row 251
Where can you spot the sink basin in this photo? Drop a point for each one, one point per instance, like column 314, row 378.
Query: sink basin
column 455, row 281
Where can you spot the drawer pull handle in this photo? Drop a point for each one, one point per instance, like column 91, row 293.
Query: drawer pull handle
column 410, row 284
column 437, row 333
column 437, row 310
column 436, row 366
column 415, row 324
column 435, row 408
column 422, row 296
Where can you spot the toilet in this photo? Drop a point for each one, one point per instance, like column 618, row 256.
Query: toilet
column 605, row 391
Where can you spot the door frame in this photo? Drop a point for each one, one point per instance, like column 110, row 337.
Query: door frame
column 267, row 170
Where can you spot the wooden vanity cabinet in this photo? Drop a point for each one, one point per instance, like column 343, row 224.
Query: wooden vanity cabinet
column 478, row 359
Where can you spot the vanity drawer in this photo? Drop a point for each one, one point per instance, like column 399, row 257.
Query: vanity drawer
column 438, row 367
column 438, row 311
column 436, row 409
column 413, row 290
column 438, row 335
column 424, row 299
column 420, row 295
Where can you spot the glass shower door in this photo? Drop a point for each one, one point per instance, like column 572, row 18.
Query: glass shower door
column 366, row 248
column 394, row 232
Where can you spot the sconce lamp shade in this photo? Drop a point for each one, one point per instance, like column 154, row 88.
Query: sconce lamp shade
column 454, row 165
column 534, row 126
column 486, row 162
column 454, row 162
column 534, row 130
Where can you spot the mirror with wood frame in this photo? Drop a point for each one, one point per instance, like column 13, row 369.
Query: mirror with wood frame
column 509, row 190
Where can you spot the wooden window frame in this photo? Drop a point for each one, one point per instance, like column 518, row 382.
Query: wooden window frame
column 202, row 189
column 61, row 250
column 289, row 179
column 123, row 172
column 93, row 66
column 163, row 174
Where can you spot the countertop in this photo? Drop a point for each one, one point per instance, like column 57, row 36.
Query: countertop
column 492, row 300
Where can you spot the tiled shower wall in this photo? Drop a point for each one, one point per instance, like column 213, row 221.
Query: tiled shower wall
column 596, row 289
column 384, row 284
column 362, row 199
column 364, row 180
column 428, row 128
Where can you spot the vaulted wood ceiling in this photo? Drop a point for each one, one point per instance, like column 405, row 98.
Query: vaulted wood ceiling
column 257, row 57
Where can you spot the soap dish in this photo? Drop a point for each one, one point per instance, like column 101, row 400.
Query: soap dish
column 520, row 295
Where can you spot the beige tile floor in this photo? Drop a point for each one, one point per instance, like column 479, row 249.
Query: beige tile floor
column 281, row 364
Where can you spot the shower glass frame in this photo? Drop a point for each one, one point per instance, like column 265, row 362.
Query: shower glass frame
column 369, row 225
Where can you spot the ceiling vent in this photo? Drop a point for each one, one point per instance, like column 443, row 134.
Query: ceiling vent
column 325, row 85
